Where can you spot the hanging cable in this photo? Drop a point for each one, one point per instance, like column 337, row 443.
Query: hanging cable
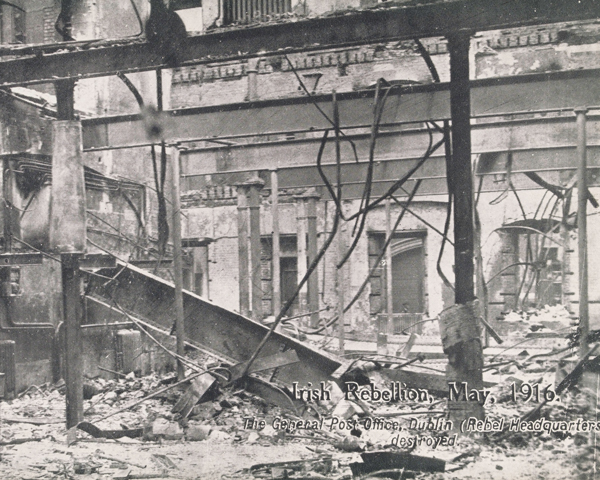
column 304, row 279
column 377, row 114
column 383, row 249
column 420, row 218
column 159, row 176
column 316, row 105
column 448, row 154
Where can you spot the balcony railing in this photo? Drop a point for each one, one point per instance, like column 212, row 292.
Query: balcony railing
column 246, row 11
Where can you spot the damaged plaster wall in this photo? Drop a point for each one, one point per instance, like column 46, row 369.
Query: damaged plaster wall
column 557, row 47
column 501, row 53
column 220, row 223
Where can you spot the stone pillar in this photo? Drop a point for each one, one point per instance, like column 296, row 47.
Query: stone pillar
column 255, row 185
column 243, row 270
column 301, row 252
column 311, row 197
column 253, row 64
column 68, row 237
column 67, row 206
column 275, row 254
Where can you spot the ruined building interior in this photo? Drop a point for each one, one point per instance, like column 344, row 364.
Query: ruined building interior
column 229, row 225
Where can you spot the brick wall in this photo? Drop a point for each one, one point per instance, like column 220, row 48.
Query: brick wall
column 499, row 53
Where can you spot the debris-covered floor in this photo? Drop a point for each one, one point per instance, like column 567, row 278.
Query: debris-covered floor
column 152, row 439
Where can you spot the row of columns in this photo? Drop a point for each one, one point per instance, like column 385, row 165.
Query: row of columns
column 249, row 249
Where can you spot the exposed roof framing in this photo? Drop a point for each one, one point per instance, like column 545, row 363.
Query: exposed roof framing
column 369, row 26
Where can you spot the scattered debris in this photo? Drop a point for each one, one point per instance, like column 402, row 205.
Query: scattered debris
column 259, row 431
column 198, row 387
column 96, row 432
column 377, row 461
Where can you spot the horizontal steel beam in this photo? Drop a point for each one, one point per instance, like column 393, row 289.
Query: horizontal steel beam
column 555, row 165
column 10, row 259
column 531, row 134
column 497, row 96
column 378, row 25
column 539, row 144
column 97, row 260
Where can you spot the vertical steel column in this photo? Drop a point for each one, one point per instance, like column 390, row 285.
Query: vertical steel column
column 460, row 106
column 243, row 270
column 389, row 284
column 205, row 273
column 71, row 281
column 311, row 197
column 68, row 237
column 276, row 249
column 584, row 313
column 464, row 350
column 255, row 186
column 566, row 272
column 340, row 272
column 177, row 260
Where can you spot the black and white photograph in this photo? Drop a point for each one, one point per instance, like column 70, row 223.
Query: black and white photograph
column 299, row 239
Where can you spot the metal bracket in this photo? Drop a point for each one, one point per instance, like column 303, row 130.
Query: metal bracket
column 97, row 260
column 12, row 259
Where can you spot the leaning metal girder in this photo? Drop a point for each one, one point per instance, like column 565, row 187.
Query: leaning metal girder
column 216, row 330
column 346, row 28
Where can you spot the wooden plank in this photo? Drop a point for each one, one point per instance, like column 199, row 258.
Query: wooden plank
column 32, row 420
column 433, row 382
column 373, row 461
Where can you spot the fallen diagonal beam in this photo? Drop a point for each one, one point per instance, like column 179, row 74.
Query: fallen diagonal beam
column 227, row 335
column 558, row 190
column 33, row 420
column 266, row 363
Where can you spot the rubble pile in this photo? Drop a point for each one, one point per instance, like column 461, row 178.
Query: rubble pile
column 540, row 422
